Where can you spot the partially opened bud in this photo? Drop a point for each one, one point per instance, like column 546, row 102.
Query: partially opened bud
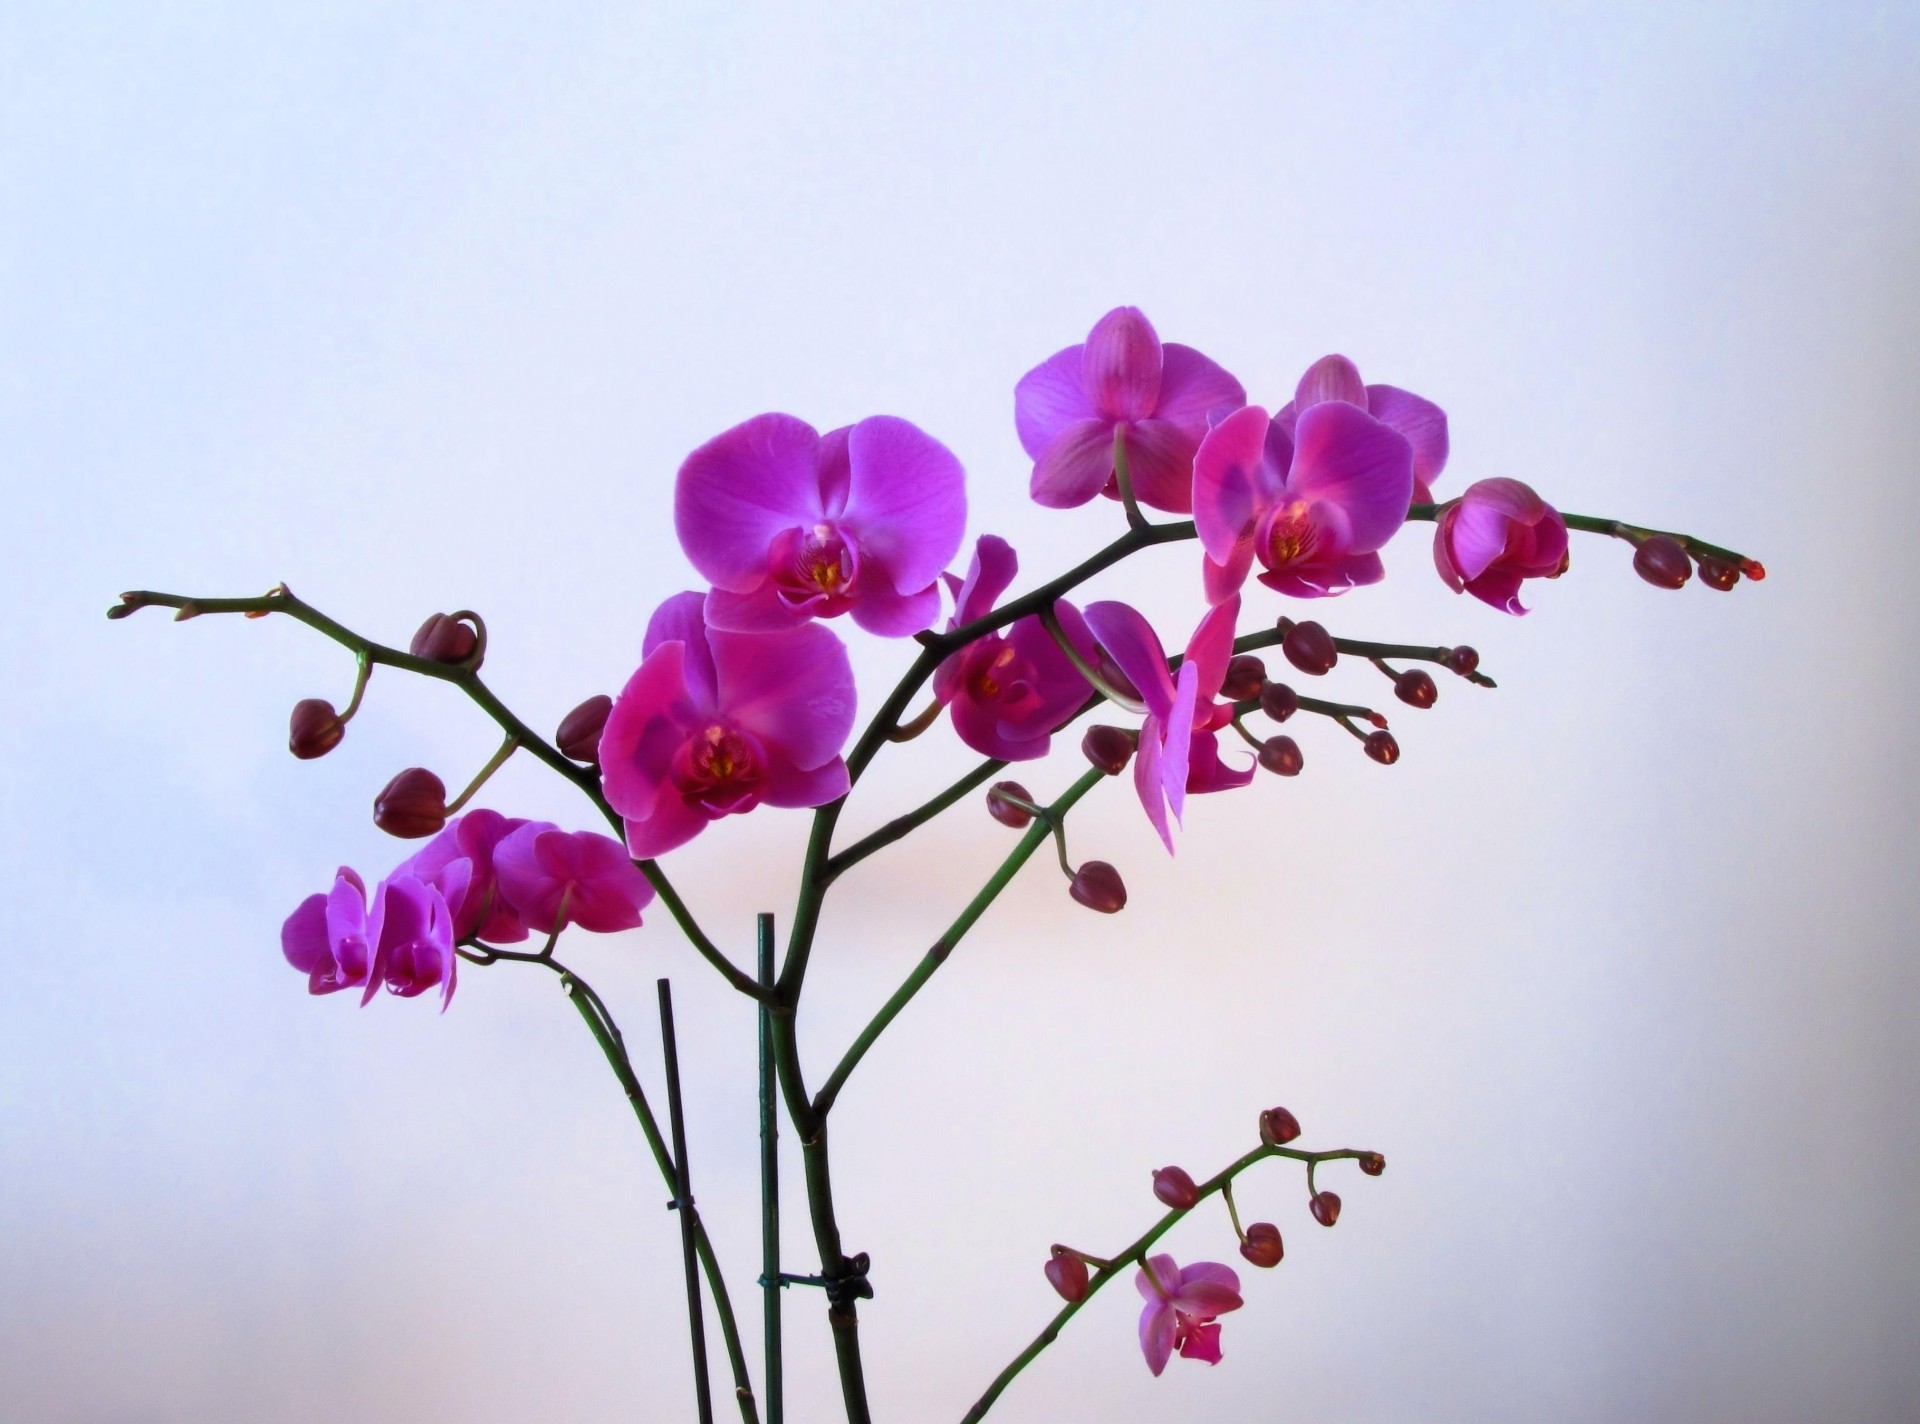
column 1310, row 648
column 1175, row 1187
column 1718, row 574
column 1662, row 562
column 1463, row 660
column 1246, row 675
column 579, row 736
column 1415, row 688
column 1009, row 812
column 1325, row 1207
column 1383, row 748
column 412, row 805
column 1109, row 748
column 1281, row 756
column 1098, row 886
column 1067, row 1274
column 443, row 639
column 314, row 729
column 1278, row 1127
column 1279, row 701
column 1263, row 1246
column 1372, row 1163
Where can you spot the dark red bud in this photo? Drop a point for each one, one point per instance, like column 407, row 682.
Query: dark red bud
column 1279, row 701
column 1098, row 886
column 1718, row 574
column 1263, row 1246
column 1753, row 569
column 314, row 729
column 1383, row 748
column 1325, row 1207
column 1067, row 1274
column 1278, row 1126
column 412, row 805
column 1109, row 748
column 1174, row 1187
column 1372, row 1163
column 1246, row 675
column 1110, row 674
column 1281, row 756
column 579, row 734
column 1310, row 648
column 1415, row 688
column 1662, row 562
column 1463, row 660
column 443, row 639
column 1377, row 719
column 1006, row 812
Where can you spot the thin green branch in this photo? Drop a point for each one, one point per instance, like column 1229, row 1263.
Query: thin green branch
column 1614, row 528
column 901, row 826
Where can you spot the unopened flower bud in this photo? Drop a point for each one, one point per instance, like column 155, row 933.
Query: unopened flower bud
column 1098, row 886
column 1325, row 1207
column 1372, row 1163
column 1718, row 574
column 579, row 736
column 1278, row 1127
column 1753, row 569
column 1281, row 756
column 1006, row 812
column 1383, row 748
column 443, row 639
column 314, row 729
column 1174, row 1187
column 412, row 805
column 1463, row 660
column 1263, row 1246
column 1109, row 748
column 1246, row 675
column 1067, row 1274
column 1662, row 562
column 1279, row 701
column 1310, row 648
column 1415, row 688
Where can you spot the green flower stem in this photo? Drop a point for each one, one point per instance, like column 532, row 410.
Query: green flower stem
column 901, row 826
column 1123, row 478
column 1137, row 1252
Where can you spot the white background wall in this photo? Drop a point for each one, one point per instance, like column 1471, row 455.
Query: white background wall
column 420, row 309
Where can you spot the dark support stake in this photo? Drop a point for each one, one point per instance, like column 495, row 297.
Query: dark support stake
column 683, row 1200
column 769, row 1182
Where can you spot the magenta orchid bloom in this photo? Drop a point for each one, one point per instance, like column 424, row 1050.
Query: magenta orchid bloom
column 411, row 934
column 1121, row 379
column 790, row 525
column 1009, row 691
column 1313, row 500
column 1182, row 1305
column 1335, row 378
column 326, row 937
column 474, row 897
column 543, row 869
column 1179, row 749
column 714, row 723
column 1495, row 535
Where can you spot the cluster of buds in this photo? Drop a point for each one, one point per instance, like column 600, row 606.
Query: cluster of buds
column 1666, row 561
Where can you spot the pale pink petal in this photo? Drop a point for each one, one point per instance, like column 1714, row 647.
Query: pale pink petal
column 1328, row 578
column 1157, row 1329
column 1166, row 1271
column 1212, row 1276
column 1149, row 779
column 1344, row 456
column 1476, row 536
column 979, row 728
column 1500, row 588
column 835, row 471
column 1136, row 649
column 1160, row 465
column 303, row 938
column 1179, row 735
column 1421, row 421
column 794, row 691
column 1060, row 686
column 906, row 503
column 1194, row 391
column 1048, row 399
column 1075, row 467
column 1230, row 485
column 1121, row 363
column 1331, row 378
column 739, row 490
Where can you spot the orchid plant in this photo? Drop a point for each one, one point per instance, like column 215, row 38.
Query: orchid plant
column 744, row 697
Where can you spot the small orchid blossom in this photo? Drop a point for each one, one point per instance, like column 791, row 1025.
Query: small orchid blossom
column 1179, row 749
column 555, row 878
column 1120, row 383
column 1313, row 500
column 1009, row 690
column 1335, row 378
column 790, row 525
column 1182, row 1304
column 411, row 933
column 1495, row 535
column 326, row 937
column 714, row 723
column 480, row 909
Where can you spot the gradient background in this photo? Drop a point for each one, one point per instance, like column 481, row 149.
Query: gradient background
column 421, row 310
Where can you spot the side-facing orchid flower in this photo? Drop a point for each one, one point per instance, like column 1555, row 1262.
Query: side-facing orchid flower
column 1496, row 534
column 1313, row 500
column 556, row 878
column 1335, row 378
column 715, row 723
column 326, row 937
column 789, row 525
column 1179, row 750
column 479, row 909
column 1009, row 690
column 1183, row 1302
column 411, row 934
column 1122, row 384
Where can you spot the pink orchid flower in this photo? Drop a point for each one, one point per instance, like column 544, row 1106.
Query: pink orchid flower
column 471, row 838
column 1121, row 379
column 790, row 525
column 1179, row 747
column 1495, row 535
column 411, row 934
column 543, row 869
column 714, row 723
column 1424, row 424
column 326, row 937
column 1010, row 690
column 1312, row 497
column 1182, row 1305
